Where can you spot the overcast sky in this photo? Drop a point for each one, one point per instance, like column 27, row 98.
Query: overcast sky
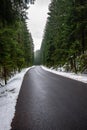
column 37, row 14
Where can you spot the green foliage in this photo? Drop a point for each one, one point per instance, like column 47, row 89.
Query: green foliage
column 16, row 44
column 82, row 62
column 65, row 33
column 12, row 10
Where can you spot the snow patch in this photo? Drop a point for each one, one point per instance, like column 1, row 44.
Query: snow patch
column 8, row 99
column 78, row 77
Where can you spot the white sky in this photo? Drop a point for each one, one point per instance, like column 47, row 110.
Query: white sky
column 37, row 15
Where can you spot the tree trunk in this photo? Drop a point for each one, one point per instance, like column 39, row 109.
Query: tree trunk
column 71, row 63
column 83, row 40
column 5, row 75
column 74, row 64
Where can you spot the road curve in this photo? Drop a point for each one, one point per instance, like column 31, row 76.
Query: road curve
column 50, row 102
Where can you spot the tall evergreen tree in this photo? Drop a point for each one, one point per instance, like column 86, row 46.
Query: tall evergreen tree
column 16, row 44
column 65, row 33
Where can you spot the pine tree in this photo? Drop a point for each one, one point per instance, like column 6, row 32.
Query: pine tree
column 65, row 33
column 16, row 44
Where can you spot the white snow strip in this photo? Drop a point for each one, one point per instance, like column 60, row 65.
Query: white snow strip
column 8, row 99
column 9, row 95
column 79, row 77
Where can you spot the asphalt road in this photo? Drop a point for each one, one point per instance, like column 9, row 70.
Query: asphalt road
column 50, row 102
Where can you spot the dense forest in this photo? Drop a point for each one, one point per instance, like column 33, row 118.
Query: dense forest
column 37, row 57
column 16, row 44
column 65, row 35
column 64, row 42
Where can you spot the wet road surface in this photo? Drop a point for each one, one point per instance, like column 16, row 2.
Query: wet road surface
column 50, row 102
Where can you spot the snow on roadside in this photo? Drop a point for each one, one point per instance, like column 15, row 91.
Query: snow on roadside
column 79, row 77
column 8, row 99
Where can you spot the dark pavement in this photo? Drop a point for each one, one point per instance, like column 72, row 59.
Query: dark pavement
column 50, row 102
